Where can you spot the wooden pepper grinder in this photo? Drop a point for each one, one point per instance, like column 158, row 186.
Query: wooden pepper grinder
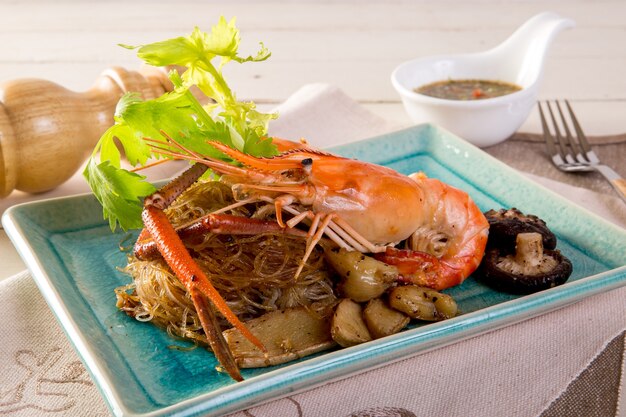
column 47, row 131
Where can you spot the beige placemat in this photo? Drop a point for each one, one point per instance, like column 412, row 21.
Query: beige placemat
column 592, row 392
column 516, row 371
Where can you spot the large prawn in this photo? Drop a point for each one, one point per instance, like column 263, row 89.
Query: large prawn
column 360, row 206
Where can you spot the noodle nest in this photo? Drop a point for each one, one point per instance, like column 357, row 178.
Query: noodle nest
column 254, row 274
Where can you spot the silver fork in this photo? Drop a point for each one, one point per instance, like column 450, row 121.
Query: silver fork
column 572, row 153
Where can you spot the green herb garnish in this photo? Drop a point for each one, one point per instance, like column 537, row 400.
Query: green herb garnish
column 178, row 114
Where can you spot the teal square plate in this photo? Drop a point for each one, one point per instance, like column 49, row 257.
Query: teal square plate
column 74, row 259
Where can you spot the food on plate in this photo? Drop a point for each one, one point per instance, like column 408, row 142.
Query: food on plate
column 449, row 241
column 382, row 320
column 362, row 277
column 529, row 269
column 253, row 271
column 262, row 239
column 422, row 303
column 348, row 326
column 522, row 257
column 506, row 224
column 473, row 89
column 346, row 208
column 288, row 334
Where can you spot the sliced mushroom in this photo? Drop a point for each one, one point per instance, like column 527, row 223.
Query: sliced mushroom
column 529, row 269
column 505, row 225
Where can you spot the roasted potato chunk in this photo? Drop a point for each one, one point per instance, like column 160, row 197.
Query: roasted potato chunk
column 363, row 277
column 287, row 335
column 348, row 327
column 382, row 320
column 422, row 303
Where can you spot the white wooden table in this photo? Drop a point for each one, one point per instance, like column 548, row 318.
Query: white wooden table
column 351, row 44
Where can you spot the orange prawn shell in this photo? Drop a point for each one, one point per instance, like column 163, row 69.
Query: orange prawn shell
column 376, row 204
column 452, row 211
column 380, row 203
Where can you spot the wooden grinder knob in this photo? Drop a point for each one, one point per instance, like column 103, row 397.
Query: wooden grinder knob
column 47, row 131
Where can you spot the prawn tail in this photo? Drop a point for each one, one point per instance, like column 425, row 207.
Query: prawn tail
column 450, row 242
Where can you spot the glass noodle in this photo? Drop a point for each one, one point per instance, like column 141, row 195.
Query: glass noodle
column 254, row 274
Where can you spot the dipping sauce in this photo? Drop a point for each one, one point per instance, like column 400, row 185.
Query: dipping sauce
column 467, row 89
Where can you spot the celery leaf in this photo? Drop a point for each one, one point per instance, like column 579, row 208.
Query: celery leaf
column 177, row 114
column 120, row 192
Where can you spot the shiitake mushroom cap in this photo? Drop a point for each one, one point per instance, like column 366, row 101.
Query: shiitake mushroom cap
column 513, row 283
column 506, row 224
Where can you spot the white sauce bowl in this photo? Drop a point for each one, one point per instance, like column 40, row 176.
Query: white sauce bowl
column 484, row 122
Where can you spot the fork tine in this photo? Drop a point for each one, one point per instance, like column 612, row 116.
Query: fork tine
column 565, row 153
column 569, row 139
column 582, row 163
column 579, row 132
column 582, row 139
column 546, row 133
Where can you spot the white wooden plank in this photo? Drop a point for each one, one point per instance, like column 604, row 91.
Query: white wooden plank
column 275, row 81
column 316, row 16
column 71, row 42
column 312, row 42
column 291, row 46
